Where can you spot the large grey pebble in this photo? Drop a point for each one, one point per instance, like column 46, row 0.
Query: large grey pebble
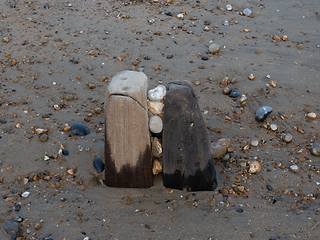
column 13, row 229
column 98, row 164
column 315, row 149
column 79, row 129
column 263, row 112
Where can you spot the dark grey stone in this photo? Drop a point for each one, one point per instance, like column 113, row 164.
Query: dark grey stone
column 13, row 229
column 79, row 129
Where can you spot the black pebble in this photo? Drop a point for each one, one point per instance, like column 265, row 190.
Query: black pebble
column 47, row 238
column 204, row 58
column 73, row 61
column 98, row 164
column 269, row 187
column 169, row 56
column 18, row 219
column 263, row 112
column 239, row 210
column 65, row 152
column 79, row 129
column 3, row 121
column 234, row 93
column 168, row 13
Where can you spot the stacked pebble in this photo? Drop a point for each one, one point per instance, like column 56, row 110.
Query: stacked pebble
column 155, row 106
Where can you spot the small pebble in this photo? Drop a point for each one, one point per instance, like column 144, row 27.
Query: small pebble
column 251, row 77
column 214, row 48
column 168, row 13
column 243, row 99
column 157, row 93
column 262, row 113
column 47, row 238
column 273, row 127
column 315, row 149
column 225, row 81
column 169, row 56
column 273, row 84
column 226, row 91
column 3, row 121
column 43, row 138
column 234, row 93
column 80, row 129
column 65, row 152
column 155, row 107
column 25, row 194
column 157, row 167
column 247, row 12
column 311, row 115
column 156, row 148
column 91, row 182
column 155, row 124
column 287, row 137
column 204, row 58
column 18, row 219
column 38, row 226
column 229, row 7
column 98, row 164
column 226, row 23
column 294, row 168
column 255, row 167
column 254, row 143
column 269, row 187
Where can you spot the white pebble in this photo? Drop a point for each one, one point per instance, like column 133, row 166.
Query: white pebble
column 25, row 194
column 294, row 168
column 155, row 124
column 228, row 7
column 155, row 107
column 180, row 16
column 247, row 12
column 157, row 93
column 254, row 143
column 273, row 127
column 214, row 48
column 255, row 167
column 226, row 23
column 311, row 115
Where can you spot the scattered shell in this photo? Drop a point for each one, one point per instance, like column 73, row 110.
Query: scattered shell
column 229, row 7
column 156, row 148
column 315, row 149
column 155, row 124
column 243, row 99
column 262, row 113
column 273, row 127
column 311, row 115
column 40, row 130
column 79, row 129
column 273, row 84
column 214, row 48
column 251, row 77
column 287, row 137
column 157, row 93
column 255, row 167
column 284, row 38
column 155, row 107
column 25, row 194
column 268, row 76
column 247, row 12
column 157, row 167
column 294, row 168
column 98, row 164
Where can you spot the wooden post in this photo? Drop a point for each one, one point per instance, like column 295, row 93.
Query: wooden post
column 128, row 161
column 187, row 152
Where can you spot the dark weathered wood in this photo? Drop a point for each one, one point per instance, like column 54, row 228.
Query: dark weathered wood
column 187, row 152
column 128, row 161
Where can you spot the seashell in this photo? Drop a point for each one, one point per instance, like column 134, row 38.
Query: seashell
column 255, row 167
column 79, row 129
column 155, row 124
column 156, row 148
column 262, row 113
column 311, row 115
column 214, row 48
column 155, row 107
column 157, row 93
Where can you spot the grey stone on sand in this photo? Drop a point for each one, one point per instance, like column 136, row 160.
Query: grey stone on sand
column 262, row 113
column 315, row 149
column 128, row 160
column 79, row 129
column 12, row 229
column 187, row 153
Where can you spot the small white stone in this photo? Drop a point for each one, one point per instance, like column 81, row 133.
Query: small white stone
column 214, row 48
column 243, row 98
column 247, row 12
column 311, row 115
column 254, row 143
column 40, row 130
column 155, row 124
column 157, row 93
column 25, row 194
column 228, row 7
column 294, row 168
column 155, row 107
column 287, row 137
column 273, row 127
column 180, row 16
column 255, row 167
column 226, row 23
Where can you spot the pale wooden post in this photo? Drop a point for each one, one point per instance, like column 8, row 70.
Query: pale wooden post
column 128, row 161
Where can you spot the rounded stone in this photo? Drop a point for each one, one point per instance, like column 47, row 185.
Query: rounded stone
column 214, row 48
column 255, row 143
column 219, row 151
column 43, row 138
column 315, row 149
column 98, row 164
column 65, row 152
column 311, row 115
column 294, row 168
column 80, row 129
column 155, row 107
column 204, row 58
column 157, row 93
column 228, row 7
column 273, row 127
column 262, row 113
column 247, row 12
column 287, row 137
column 234, row 93
column 155, row 124
column 255, row 167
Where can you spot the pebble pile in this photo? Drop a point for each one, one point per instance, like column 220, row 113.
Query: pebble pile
column 155, row 106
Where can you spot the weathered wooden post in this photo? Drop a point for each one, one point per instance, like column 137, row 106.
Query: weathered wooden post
column 128, row 160
column 187, row 151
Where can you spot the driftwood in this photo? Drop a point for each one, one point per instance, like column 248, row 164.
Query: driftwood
column 187, row 153
column 128, row 160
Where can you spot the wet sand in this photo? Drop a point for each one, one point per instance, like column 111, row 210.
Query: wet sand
column 41, row 88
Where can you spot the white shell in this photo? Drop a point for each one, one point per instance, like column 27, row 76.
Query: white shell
column 25, row 194
column 155, row 124
column 155, row 107
column 157, row 93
